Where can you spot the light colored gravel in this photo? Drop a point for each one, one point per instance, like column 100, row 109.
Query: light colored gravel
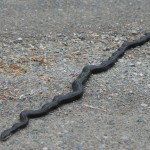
column 43, row 47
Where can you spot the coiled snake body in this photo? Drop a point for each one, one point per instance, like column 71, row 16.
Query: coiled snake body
column 77, row 86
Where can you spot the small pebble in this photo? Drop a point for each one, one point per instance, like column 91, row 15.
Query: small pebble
column 140, row 119
column 121, row 60
column 22, row 97
column 111, row 122
column 134, row 32
column 131, row 92
column 81, row 36
column 60, row 35
column 45, row 148
column 132, row 65
column 107, row 49
column 139, row 63
column 144, row 105
column 116, row 39
column 19, row 40
column 42, row 143
column 148, row 85
column 103, row 37
column 141, row 74
column 77, row 53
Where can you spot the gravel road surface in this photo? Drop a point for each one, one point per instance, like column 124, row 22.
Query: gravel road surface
column 44, row 45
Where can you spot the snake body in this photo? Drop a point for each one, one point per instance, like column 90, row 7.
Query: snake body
column 77, row 86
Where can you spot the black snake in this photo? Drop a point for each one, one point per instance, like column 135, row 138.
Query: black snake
column 77, row 86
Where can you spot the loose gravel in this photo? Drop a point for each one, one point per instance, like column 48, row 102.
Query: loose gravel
column 41, row 61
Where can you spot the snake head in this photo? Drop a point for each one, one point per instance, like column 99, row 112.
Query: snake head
column 5, row 135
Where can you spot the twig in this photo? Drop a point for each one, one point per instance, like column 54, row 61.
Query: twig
column 99, row 108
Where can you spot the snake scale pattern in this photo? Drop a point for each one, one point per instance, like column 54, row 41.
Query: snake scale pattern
column 77, row 86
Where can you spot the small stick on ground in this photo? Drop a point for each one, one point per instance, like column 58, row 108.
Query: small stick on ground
column 99, row 108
